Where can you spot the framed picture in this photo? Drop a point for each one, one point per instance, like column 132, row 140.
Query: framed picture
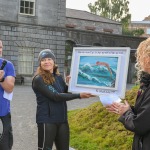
column 99, row 70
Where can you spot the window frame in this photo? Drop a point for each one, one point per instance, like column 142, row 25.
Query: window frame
column 23, row 51
column 27, row 7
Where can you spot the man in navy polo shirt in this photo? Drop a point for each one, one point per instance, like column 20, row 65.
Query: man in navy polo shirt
column 7, row 80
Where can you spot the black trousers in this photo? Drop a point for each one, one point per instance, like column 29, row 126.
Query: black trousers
column 49, row 133
column 7, row 136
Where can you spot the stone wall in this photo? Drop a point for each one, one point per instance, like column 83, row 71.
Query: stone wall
column 47, row 12
column 37, row 37
column 107, row 40
column 44, row 29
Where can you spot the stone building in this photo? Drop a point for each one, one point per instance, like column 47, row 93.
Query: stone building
column 144, row 24
column 28, row 26
column 83, row 20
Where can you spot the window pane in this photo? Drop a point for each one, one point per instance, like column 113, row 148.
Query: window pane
column 25, row 61
column 26, row 10
column 21, row 10
column 22, row 3
column 148, row 31
column 31, row 4
column 29, row 58
column 31, row 11
column 26, row 4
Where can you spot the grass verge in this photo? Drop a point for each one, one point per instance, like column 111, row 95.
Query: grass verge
column 94, row 128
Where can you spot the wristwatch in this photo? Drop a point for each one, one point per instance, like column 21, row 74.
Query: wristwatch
column 2, row 79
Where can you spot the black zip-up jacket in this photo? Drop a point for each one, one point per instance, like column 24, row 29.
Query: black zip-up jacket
column 137, row 120
column 51, row 100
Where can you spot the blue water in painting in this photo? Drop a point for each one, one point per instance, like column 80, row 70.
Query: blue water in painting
column 97, row 75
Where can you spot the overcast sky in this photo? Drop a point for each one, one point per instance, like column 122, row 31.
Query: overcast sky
column 139, row 9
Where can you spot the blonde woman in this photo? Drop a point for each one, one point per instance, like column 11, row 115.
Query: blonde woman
column 137, row 118
column 51, row 95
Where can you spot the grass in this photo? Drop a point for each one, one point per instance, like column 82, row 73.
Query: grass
column 94, row 128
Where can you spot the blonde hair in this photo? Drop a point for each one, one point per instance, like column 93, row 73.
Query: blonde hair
column 142, row 57
column 46, row 75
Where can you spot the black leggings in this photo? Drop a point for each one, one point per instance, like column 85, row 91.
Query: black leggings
column 53, row 132
column 7, row 136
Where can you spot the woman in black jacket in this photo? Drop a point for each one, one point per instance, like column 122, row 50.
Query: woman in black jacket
column 51, row 95
column 137, row 118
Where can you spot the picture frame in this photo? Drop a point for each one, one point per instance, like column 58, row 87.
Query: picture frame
column 99, row 70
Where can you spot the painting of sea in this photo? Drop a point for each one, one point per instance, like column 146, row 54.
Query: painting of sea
column 97, row 71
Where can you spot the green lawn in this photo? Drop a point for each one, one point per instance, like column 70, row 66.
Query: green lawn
column 94, row 128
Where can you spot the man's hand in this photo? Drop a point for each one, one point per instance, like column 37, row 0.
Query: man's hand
column 2, row 73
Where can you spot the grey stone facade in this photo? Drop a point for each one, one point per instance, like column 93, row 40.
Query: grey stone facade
column 36, row 37
column 47, row 13
column 43, row 30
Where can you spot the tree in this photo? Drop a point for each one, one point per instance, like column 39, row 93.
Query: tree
column 135, row 32
column 112, row 9
column 117, row 10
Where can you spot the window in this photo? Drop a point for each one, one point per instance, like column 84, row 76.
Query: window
column 148, row 31
column 25, row 61
column 27, row 7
